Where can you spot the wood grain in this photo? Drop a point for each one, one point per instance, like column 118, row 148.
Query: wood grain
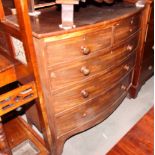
column 125, row 28
column 65, row 74
column 46, row 27
column 72, row 96
column 88, row 111
column 72, row 48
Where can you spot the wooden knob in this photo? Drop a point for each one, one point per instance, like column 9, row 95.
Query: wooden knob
column 130, row 30
column 85, row 70
column 127, row 67
column 150, row 67
column 84, row 93
column 123, row 87
column 129, row 47
column 132, row 20
column 85, row 50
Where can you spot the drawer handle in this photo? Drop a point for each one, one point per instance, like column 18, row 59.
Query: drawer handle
column 123, row 87
column 150, row 67
column 129, row 48
column 85, row 50
column 84, row 93
column 131, row 30
column 85, row 70
column 132, row 21
column 127, row 67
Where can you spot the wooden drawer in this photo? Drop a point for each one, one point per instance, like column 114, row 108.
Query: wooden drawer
column 126, row 28
column 71, row 73
column 77, row 95
column 72, row 48
column 81, row 115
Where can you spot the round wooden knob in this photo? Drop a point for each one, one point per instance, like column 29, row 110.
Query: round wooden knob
column 129, row 47
column 132, row 21
column 127, row 67
column 85, row 50
column 84, row 93
column 131, row 30
column 123, row 87
column 150, row 67
column 85, row 70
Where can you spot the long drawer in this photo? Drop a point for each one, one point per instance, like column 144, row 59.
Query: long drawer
column 83, row 114
column 74, row 47
column 126, row 28
column 81, row 93
column 71, row 73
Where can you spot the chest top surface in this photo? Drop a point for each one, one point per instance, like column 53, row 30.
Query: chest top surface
column 47, row 24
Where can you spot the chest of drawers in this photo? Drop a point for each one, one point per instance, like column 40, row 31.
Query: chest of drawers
column 85, row 72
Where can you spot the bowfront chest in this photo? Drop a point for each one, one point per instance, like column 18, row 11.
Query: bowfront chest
column 87, row 71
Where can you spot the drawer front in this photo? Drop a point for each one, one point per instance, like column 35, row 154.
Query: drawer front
column 71, row 73
column 72, row 48
column 77, row 95
column 126, row 28
column 83, row 114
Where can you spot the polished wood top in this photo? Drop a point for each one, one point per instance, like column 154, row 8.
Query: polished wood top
column 47, row 24
column 139, row 140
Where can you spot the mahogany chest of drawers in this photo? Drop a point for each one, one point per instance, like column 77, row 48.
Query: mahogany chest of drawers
column 85, row 72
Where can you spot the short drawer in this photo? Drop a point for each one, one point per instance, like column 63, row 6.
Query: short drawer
column 125, row 28
column 71, row 73
column 81, row 115
column 68, row 49
column 81, row 93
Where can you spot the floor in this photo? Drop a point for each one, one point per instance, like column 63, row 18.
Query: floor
column 100, row 139
column 139, row 140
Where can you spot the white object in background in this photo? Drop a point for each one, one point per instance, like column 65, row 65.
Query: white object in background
column 35, row 13
column 67, row 16
column 19, row 51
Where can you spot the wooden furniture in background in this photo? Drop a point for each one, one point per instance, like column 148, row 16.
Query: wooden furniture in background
column 145, row 59
column 148, row 56
column 13, row 67
column 139, row 140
